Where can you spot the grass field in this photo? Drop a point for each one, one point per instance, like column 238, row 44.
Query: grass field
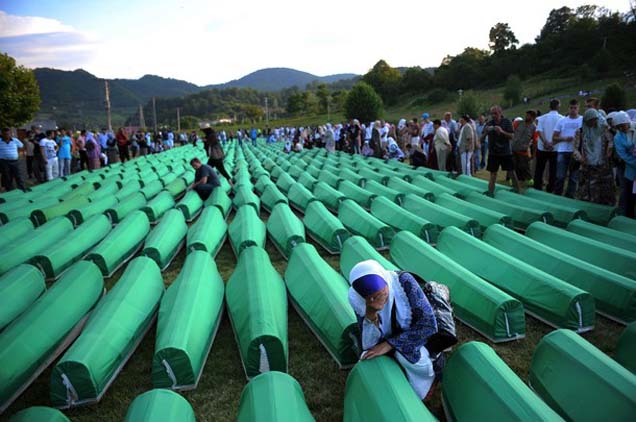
column 218, row 394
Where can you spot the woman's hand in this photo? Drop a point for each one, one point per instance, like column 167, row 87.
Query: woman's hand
column 377, row 350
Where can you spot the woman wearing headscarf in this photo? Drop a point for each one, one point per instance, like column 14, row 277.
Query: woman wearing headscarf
column 625, row 146
column 395, row 319
column 593, row 149
column 403, row 134
column 329, row 139
column 375, row 143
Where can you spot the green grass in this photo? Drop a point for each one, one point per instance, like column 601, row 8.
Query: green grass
column 218, row 394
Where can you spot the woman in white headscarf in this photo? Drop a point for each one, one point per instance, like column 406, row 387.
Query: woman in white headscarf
column 395, row 318
column 329, row 139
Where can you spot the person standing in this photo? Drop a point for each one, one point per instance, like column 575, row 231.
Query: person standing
column 453, row 133
column 354, row 133
column 441, row 144
column 376, row 143
column 563, row 140
column 64, row 153
column 29, row 150
column 546, row 153
column 482, row 149
column 9, row 164
column 499, row 131
column 122, row 145
column 466, row 145
column 48, row 147
column 521, row 141
column 625, row 146
column 39, row 162
column 215, row 152
column 253, row 136
column 93, row 152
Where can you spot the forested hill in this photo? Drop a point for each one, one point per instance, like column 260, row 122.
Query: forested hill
column 276, row 79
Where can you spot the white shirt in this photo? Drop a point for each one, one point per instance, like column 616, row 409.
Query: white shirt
column 546, row 126
column 567, row 128
column 49, row 148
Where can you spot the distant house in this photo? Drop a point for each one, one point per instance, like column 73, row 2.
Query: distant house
column 45, row 124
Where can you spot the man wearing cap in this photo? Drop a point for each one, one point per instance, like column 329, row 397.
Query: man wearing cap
column 395, row 319
column 9, row 147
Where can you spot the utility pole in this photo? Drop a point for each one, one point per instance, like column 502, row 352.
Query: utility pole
column 266, row 111
column 329, row 108
column 110, row 123
column 154, row 112
column 178, row 120
column 142, row 121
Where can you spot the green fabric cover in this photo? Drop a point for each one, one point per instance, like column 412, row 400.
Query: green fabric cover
column 108, row 190
column 386, row 192
column 39, row 414
column 261, row 183
column 19, row 289
column 208, row 233
column 321, row 297
column 157, row 206
column 152, row 189
column 328, row 195
column 218, row 198
column 131, row 186
column 626, row 348
column 164, row 240
column 479, row 386
column 115, row 325
column 325, row 227
column 176, row 187
column 53, row 261
column 327, row 176
column 188, row 317
column 614, row 295
column 405, row 187
column 130, row 203
column 285, row 229
column 441, row 216
column 31, row 339
column 167, row 179
column 15, row 230
column 461, row 189
column 272, row 196
column 352, row 176
column 41, row 239
column 400, row 219
column 273, row 396
column 360, row 222
column 295, row 171
column 245, row 196
column 370, row 174
column 480, row 305
column 580, row 382
column 257, row 306
column 84, row 189
column 299, row 196
column 522, row 217
column 377, row 390
column 120, row 243
column 246, row 229
column 159, row 405
column 623, row 224
column 597, row 253
column 307, row 180
column 480, row 184
column 284, row 182
column 354, row 192
column 600, row 214
column 49, row 212
column 96, row 207
column 545, row 296
column 427, row 184
column 562, row 214
column 485, row 216
column 357, row 249
column 603, row 234
column 12, row 211
column 190, row 205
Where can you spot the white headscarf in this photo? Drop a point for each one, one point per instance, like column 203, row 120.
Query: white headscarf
column 402, row 124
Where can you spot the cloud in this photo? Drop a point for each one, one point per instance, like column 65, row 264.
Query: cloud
column 15, row 26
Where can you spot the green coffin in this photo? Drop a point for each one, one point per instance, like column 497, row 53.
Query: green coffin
column 19, row 289
column 484, row 216
column 405, row 187
column 271, row 197
column 12, row 211
column 544, row 296
column 97, row 207
column 14, row 231
column 284, row 182
column 478, row 385
column 626, row 348
column 324, row 227
column 478, row 304
column 596, row 253
column 428, row 185
column 246, row 229
column 600, row 214
column 580, row 382
column 130, row 203
column 190, row 205
column 562, row 214
column 189, row 316
column 603, row 234
column 245, row 196
column 307, row 180
column 113, row 331
column 39, row 414
column 300, row 197
column 208, row 233
column 461, row 189
column 357, row 249
column 377, row 390
column 165, row 240
column 24, row 348
column 53, row 261
column 285, row 229
column 623, row 224
column 329, row 177
column 360, row 222
column 273, row 396
column 522, row 217
column 320, row 295
column 352, row 176
column 157, row 206
column 480, row 184
column 47, row 213
column 219, row 199
column 383, row 191
column 257, row 306
column 614, row 295
column 397, row 217
column 441, row 216
column 159, row 405
column 354, row 192
column 369, row 174
column 328, row 195
column 120, row 243
column 151, row 189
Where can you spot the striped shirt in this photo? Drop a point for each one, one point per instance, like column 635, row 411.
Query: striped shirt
column 9, row 150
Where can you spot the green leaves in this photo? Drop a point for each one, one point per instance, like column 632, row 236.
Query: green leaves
column 20, row 98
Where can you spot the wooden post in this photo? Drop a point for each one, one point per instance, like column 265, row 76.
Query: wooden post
column 108, row 117
column 154, row 112
column 142, row 121
column 178, row 120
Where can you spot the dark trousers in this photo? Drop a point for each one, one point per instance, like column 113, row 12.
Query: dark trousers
column 204, row 190
column 29, row 162
column 630, row 198
column 83, row 159
column 10, row 170
column 124, row 153
column 543, row 158
column 217, row 163
column 39, row 169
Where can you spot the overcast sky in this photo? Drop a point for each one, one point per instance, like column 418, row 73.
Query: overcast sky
column 208, row 42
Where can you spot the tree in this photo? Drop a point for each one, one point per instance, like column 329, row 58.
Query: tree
column 322, row 92
column 20, row 98
column 385, row 80
column 416, row 80
column 363, row 103
column 468, row 104
column 512, row 90
column 614, row 98
column 502, row 38
column 557, row 22
column 296, row 103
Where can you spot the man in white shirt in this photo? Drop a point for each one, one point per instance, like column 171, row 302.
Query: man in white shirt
column 49, row 152
column 563, row 140
column 545, row 148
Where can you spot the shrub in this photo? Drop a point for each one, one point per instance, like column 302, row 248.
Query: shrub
column 468, row 104
column 363, row 103
column 614, row 98
column 512, row 91
column 437, row 95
